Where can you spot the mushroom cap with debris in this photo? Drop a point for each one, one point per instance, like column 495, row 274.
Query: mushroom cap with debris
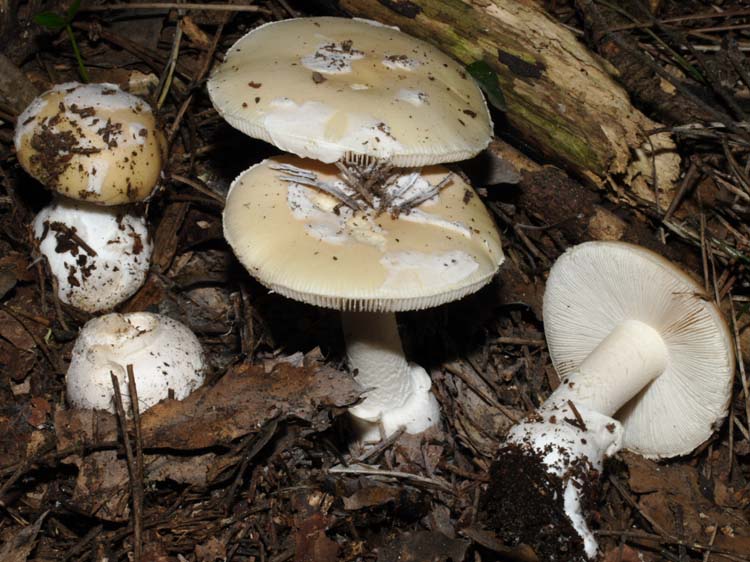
column 306, row 245
column 99, row 256
column 91, row 142
column 328, row 87
column 595, row 287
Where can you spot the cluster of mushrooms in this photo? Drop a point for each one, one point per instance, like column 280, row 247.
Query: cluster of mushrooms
column 362, row 218
column 100, row 150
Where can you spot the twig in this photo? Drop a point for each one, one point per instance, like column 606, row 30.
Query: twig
column 510, row 340
column 138, row 501
column 259, row 441
column 135, row 482
column 198, row 186
column 369, row 471
column 456, row 371
column 176, row 6
column 166, row 78
column 740, row 362
column 53, row 360
column 374, row 452
column 207, row 58
column 670, row 540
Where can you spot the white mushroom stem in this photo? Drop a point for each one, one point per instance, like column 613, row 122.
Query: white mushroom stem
column 629, row 358
column 396, row 392
column 575, row 425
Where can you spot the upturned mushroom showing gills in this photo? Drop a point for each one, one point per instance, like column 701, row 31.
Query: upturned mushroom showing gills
column 91, row 142
column 98, row 256
column 352, row 92
column 646, row 362
column 165, row 355
column 301, row 242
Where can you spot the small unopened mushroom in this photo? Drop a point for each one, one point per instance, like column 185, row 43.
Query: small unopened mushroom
column 633, row 338
column 300, row 241
column 165, row 356
column 351, row 91
column 99, row 256
column 91, row 142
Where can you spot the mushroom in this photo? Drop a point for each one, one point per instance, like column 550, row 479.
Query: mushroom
column 354, row 92
column 91, row 142
column 299, row 241
column 165, row 356
column 632, row 337
column 98, row 256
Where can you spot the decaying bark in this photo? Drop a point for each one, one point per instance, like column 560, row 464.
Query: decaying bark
column 16, row 90
column 560, row 98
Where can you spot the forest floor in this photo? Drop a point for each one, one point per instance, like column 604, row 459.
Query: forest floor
column 271, row 477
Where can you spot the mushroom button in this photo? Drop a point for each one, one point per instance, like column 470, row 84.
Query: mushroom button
column 165, row 355
column 633, row 338
column 91, row 142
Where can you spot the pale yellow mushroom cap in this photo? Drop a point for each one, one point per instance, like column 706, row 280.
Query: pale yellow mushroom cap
column 296, row 241
column 91, row 142
column 325, row 87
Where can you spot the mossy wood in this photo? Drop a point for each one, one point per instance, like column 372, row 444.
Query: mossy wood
column 559, row 96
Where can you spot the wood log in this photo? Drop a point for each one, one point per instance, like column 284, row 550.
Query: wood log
column 560, row 97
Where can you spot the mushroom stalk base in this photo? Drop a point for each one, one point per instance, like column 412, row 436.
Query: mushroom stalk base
column 562, row 449
column 572, row 433
column 397, row 393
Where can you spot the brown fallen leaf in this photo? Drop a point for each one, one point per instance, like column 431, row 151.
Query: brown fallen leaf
column 213, row 550
column 240, row 403
column 676, row 498
column 15, row 332
column 22, row 543
column 423, row 546
column 310, row 523
column 371, row 496
column 102, row 487
column 627, row 554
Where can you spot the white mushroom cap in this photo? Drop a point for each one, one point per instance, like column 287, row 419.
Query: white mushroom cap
column 597, row 287
column 300, row 242
column 164, row 354
column 98, row 255
column 324, row 87
column 91, row 142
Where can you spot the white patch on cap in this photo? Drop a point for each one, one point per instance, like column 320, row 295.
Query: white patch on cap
column 325, row 138
column 325, row 224
column 400, row 62
column 282, row 103
column 414, row 97
column 419, row 216
column 97, row 171
column 333, row 58
column 376, row 23
column 357, row 86
column 289, row 118
column 376, row 136
column 407, row 270
column 136, row 134
column 408, row 187
column 108, row 97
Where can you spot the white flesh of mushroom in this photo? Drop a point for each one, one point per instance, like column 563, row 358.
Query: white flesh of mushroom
column 164, row 353
column 397, row 393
